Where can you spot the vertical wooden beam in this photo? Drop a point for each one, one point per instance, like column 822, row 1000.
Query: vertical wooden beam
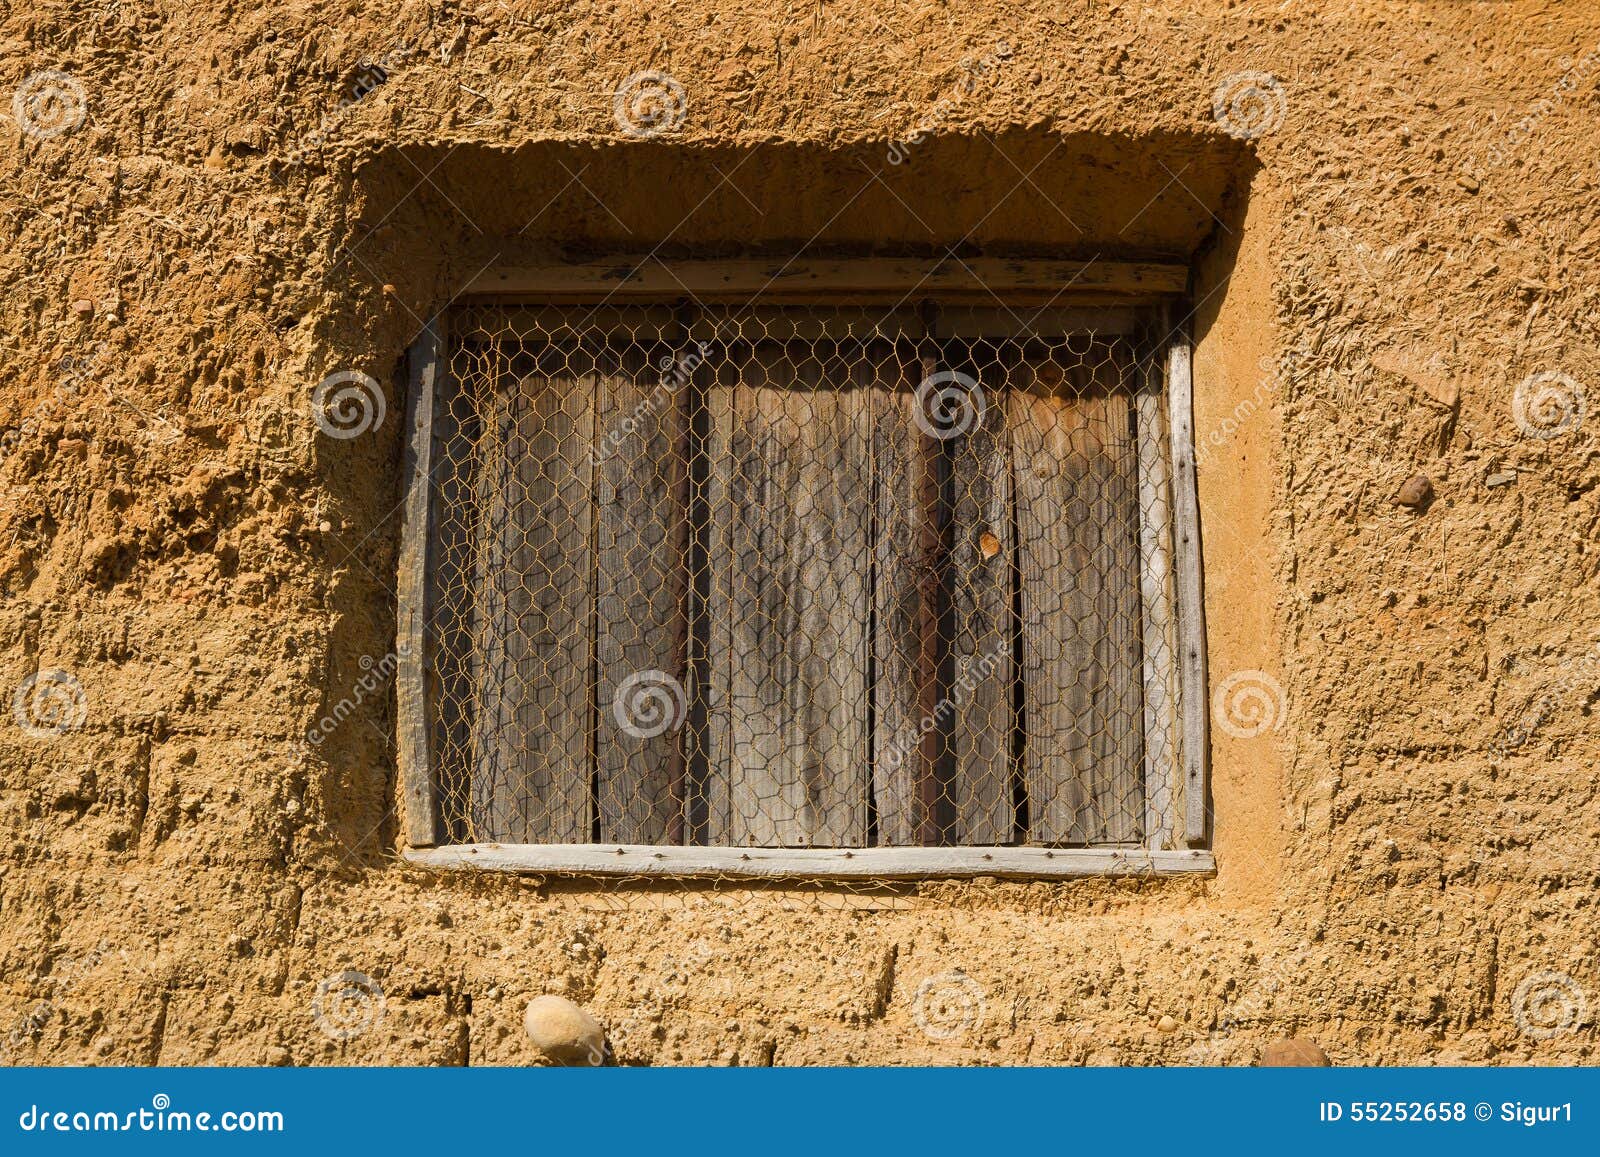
column 1156, row 596
column 533, row 762
column 982, row 680
column 412, row 603
column 1069, row 417
column 792, row 502
column 641, row 533
column 931, row 553
column 1047, row 421
column 1118, row 742
column 889, row 372
column 1194, row 722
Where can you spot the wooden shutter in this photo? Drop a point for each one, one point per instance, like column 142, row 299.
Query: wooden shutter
column 878, row 634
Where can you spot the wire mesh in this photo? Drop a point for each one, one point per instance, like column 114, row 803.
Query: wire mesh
column 800, row 577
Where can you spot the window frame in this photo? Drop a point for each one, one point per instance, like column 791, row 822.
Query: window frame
column 1152, row 286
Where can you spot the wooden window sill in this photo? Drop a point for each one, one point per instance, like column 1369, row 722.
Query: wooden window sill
column 818, row 863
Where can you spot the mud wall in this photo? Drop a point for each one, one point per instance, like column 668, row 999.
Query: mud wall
column 1390, row 211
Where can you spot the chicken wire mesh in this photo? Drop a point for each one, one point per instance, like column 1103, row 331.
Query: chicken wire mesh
column 800, row 577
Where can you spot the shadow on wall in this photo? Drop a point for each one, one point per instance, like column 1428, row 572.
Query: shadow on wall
column 428, row 219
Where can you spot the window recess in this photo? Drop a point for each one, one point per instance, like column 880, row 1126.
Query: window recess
column 857, row 569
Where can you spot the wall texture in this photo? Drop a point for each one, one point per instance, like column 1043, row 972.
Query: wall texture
column 1391, row 210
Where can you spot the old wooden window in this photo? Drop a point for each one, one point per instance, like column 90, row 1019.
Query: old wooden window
column 872, row 576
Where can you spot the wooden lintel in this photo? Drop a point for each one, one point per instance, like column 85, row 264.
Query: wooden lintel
column 979, row 280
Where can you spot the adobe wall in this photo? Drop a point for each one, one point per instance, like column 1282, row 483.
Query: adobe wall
column 1400, row 233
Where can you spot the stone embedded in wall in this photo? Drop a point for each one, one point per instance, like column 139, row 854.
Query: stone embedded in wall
column 1416, row 492
column 564, row 1032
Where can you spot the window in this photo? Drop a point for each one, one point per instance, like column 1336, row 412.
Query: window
column 871, row 577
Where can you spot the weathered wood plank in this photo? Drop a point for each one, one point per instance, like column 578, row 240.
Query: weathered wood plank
column 816, row 863
column 792, row 506
column 982, row 562
column 642, row 542
column 979, row 279
column 451, row 680
column 416, row 771
column 1194, row 722
column 507, row 321
column 1051, row 470
column 1117, row 786
column 929, row 469
column 1074, row 475
column 1156, row 599
column 535, row 583
column 891, row 374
